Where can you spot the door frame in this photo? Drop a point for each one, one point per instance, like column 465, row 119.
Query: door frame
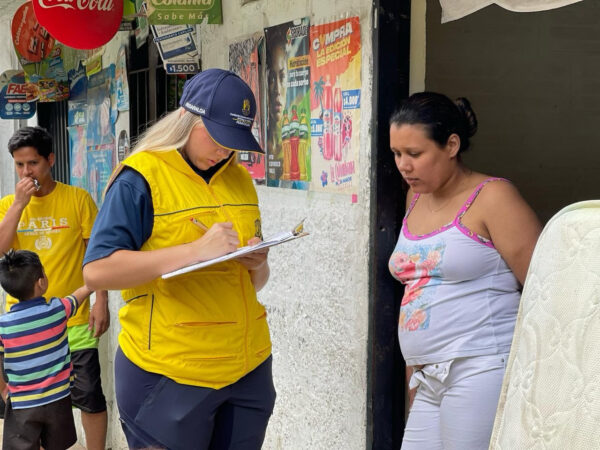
column 386, row 369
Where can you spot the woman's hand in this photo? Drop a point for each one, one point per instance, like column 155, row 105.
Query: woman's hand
column 256, row 259
column 410, row 392
column 512, row 225
column 219, row 240
column 411, row 397
column 257, row 265
column 127, row 268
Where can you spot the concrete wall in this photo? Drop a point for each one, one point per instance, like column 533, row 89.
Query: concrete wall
column 418, row 46
column 317, row 297
column 533, row 82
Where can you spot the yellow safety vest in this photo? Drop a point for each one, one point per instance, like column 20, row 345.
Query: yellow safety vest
column 204, row 328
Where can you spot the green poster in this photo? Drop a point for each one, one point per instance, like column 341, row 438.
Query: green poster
column 176, row 12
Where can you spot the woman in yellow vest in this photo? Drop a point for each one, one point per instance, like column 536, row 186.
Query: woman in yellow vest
column 193, row 367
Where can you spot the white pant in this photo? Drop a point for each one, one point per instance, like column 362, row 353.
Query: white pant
column 455, row 404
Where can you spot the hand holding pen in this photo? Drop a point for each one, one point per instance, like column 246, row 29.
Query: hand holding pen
column 218, row 240
column 199, row 224
column 252, row 261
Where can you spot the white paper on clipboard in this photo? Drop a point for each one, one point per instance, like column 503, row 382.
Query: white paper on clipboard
column 275, row 239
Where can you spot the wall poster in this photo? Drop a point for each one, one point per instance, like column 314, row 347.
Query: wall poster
column 335, row 66
column 244, row 60
column 45, row 61
column 177, row 48
column 288, row 105
column 17, row 99
column 92, row 141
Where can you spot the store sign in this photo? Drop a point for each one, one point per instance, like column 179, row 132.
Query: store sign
column 32, row 42
column 82, row 24
column 17, row 98
column 177, row 68
column 177, row 48
column 164, row 12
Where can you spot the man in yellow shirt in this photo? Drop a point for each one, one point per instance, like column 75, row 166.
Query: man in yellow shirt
column 55, row 221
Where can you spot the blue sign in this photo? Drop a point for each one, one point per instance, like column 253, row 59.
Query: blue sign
column 176, row 41
column 175, row 68
column 316, row 127
column 351, row 99
column 14, row 94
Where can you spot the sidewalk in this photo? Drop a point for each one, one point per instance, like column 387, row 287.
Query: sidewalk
column 75, row 447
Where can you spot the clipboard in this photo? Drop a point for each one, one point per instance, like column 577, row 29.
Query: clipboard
column 275, row 239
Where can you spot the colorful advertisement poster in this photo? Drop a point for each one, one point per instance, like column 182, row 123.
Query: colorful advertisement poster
column 32, row 41
column 183, row 12
column 243, row 60
column 78, row 148
column 121, row 83
column 78, row 82
column 45, row 61
column 17, row 101
column 142, row 29
column 101, row 108
column 288, row 105
column 100, row 164
column 92, row 141
column 335, row 66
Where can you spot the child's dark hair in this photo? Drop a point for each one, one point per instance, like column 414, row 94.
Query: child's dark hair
column 440, row 116
column 19, row 271
column 36, row 137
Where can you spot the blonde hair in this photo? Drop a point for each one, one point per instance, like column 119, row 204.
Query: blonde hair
column 170, row 132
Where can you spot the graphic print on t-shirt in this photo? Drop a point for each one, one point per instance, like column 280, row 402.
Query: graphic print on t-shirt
column 420, row 273
column 43, row 228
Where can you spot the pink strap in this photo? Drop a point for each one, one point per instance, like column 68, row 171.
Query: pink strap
column 474, row 194
column 410, row 208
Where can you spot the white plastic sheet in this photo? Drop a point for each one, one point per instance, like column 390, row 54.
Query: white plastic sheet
column 456, row 9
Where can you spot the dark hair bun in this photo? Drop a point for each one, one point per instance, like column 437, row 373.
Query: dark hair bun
column 440, row 116
column 464, row 106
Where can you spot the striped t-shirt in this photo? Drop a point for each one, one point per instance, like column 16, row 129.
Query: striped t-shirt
column 37, row 361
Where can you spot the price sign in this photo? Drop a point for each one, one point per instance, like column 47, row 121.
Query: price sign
column 175, row 68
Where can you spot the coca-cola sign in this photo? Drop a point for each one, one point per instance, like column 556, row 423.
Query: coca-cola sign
column 83, row 24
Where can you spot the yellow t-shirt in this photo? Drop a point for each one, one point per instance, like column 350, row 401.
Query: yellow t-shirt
column 55, row 226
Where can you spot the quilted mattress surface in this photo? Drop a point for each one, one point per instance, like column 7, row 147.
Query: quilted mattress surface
column 550, row 397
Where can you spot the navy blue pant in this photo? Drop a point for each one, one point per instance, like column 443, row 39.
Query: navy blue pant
column 157, row 412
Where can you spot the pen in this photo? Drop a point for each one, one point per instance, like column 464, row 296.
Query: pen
column 199, row 224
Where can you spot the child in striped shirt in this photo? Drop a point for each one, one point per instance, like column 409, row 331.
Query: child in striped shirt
column 35, row 352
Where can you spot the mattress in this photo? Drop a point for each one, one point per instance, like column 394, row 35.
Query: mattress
column 550, row 397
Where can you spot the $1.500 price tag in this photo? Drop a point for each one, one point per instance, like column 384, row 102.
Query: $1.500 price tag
column 174, row 68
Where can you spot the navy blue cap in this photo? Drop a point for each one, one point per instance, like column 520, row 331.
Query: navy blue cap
column 227, row 107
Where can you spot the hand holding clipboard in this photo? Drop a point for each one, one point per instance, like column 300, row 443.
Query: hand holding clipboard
column 275, row 239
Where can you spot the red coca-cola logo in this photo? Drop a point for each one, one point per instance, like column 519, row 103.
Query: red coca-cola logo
column 83, row 24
